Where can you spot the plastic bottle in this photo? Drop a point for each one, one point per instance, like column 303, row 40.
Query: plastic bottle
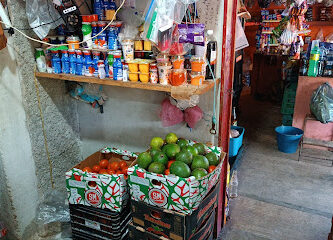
column 110, row 62
column 112, row 39
column 117, row 67
column 211, row 54
column 87, row 33
column 72, row 62
column 94, row 31
column 65, row 61
column 102, row 38
column 234, row 185
column 314, row 58
column 101, row 69
column 56, row 62
column 125, row 71
column 88, row 64
column 96, row 58
column 40, row 60
column 79, row 63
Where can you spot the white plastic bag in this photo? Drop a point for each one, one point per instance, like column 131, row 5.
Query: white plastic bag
column 42, row 16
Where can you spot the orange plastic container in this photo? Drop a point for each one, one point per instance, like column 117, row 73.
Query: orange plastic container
column 178, row 62
column 197, row 64
column 197, row 78
column 178, row 77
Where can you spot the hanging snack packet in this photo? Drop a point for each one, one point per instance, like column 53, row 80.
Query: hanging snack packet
column 192, row 33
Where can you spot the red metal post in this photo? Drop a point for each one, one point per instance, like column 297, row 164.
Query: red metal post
column 227, row 72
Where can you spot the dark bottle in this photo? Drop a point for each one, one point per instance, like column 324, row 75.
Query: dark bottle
column 211, row 55
column 303, row 70
column 233, row 117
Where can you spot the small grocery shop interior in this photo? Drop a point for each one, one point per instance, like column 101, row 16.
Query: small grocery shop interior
column 166, row 119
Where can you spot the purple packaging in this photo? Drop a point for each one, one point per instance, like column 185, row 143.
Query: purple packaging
column 192, row 33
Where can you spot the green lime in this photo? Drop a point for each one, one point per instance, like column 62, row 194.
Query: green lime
column 200, row 147
column 171, row 150
column 192, row 150
column 200, row 161
column 180, row 169
column 156, row 167
column 153, row 151
column 171, row 138
column 161, row 158
column 212, row 159
column 156, row 142
column 144, row 159
column 182, row 143
column 199, row 173
column 184, row 156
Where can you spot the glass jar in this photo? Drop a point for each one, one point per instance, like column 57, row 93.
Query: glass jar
column 197, row 64
column 153, row 71
column 178, row 77
column 197, row 78
column 178, row 62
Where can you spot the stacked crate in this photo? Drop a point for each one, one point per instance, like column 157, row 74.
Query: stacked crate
column 288, row 104
column 99, row 203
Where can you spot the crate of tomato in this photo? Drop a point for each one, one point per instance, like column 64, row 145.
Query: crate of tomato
column 175, row 174
column 101, row 179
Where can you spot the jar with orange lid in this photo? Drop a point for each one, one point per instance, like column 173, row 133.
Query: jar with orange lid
column 178, row 62
column 178, row 77
column 164, row 71
column 198, row 64
column 197, row 78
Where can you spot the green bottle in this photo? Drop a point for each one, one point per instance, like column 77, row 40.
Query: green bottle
column 110, row 61
column 87, row 31
column 314, row 59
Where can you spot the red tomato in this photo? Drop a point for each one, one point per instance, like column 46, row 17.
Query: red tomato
column 123, row 164
column 119, row 172
column 125, row 177
column 104, row 163
column 170, row 162
column 167, row 171
column 114, row 166
column 211, row 168
column 96, row 168
column 103, row 171
column 124, row 170
column 87, row 169
column 111, row 172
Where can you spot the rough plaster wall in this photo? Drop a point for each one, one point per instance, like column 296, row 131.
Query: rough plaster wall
column 15, row 149
column 26, row 170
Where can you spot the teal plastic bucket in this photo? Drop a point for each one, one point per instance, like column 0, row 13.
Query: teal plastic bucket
column 288, row 138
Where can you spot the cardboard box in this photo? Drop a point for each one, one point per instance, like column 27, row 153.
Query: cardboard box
column 99, row 190
column 172, row 224
column 96, row 223
column 172, row 192
column 205, row 232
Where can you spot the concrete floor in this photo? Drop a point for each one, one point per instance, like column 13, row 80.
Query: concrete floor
column 279, row 197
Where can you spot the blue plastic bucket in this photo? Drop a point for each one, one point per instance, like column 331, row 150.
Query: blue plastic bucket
column 236, row 143
column 288, row 138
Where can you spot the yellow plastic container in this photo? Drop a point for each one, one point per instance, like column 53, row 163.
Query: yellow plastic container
column 133, row 67
column 144, row 77
column 138, row 46
column 133, row 77
column 147, row 45
column 144, row 67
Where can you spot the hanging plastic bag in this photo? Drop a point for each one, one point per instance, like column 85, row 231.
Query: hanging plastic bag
column 320, row 35
column 241, row 40
column 170, row 114
column 42, row 16
column 322, row 103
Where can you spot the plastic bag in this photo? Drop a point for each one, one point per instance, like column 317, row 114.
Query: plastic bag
column 42, row 16
column 51, row 213
column 193, row 115
column 320, row 35
column 322, row 103
column 170, row 114
column 329, row 38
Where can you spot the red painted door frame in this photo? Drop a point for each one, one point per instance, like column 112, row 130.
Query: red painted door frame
column 227, row 73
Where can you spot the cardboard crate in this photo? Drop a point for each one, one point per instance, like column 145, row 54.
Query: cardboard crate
column 172, row 224
column 172, row 192
column 99, row 190
column 204, row 233
column 95, row 223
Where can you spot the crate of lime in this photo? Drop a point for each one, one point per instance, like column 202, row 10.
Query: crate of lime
column 175, row 174
column 156, row 221
column 100, row 180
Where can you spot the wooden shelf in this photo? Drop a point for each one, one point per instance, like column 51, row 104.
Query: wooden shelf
column 320, row 23
column 178, row 92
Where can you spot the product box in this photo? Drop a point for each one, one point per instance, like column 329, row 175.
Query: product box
column 172, row 192
column 172, row 224
column 99, row 190
column 204, row 233
column 95, row 223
